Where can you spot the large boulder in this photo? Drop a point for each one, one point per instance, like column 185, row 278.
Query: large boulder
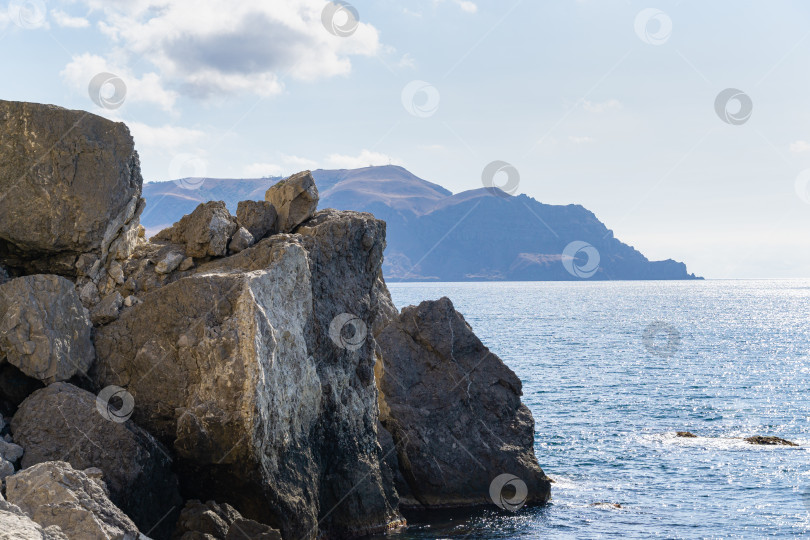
column 70, row 183
column 213, row 521
column 258, row 217
column 295, row 200
column 54, row 494
column 44, row 330
column 16, row 525
column 233, row 366
column 64, row 423
column 205, row 232
column 454, row 411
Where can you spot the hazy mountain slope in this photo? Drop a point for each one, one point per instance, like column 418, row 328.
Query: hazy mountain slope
column 433, row 234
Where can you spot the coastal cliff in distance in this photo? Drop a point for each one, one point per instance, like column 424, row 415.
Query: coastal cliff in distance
column 434, row 235
column 232, row 377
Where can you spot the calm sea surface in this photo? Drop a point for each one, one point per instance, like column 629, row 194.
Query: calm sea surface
column 723, row 359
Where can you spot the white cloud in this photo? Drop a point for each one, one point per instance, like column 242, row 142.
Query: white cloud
column 366, row 158
column 600, row 107
column 148, row 88
column 200, row 49
column 581, row 140
column 300, row 163
column 433, row 147
column 800, row 146
column 67, row 21
column 469, row 7
column 260, row 170
column 407, row 61
column 465, row 5
column 165, row 137
column 4, row 20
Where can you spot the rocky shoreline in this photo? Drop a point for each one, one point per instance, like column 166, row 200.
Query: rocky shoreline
column 233, row 376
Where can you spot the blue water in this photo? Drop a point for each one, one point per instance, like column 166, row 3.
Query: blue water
column 607, row 407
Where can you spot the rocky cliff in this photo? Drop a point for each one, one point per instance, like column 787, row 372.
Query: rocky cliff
column 254, row 361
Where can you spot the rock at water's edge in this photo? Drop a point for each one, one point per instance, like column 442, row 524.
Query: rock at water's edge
column 454, row 411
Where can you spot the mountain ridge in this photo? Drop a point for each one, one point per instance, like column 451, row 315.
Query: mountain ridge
column 437, row 235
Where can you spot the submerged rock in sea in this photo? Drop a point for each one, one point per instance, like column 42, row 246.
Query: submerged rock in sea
column 454, row 411
column 55, row 494
column 687, row 434
column 70, row 184
column 769, row 441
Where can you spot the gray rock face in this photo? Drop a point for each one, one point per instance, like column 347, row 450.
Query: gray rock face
column 70, row 183
column 54, row 494
column 205, row 232
column 214, row 521
column 16, row 525
column 241, row 240
column 107, row 309
column 234, row 367
column 63, row 422
column 43, row 328
column 258, row 217
column 454, row 410
column 295, row 200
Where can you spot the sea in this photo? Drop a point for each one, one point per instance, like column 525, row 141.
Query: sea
column 613, row 370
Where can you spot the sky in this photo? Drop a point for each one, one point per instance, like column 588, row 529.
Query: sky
column 684, row 125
